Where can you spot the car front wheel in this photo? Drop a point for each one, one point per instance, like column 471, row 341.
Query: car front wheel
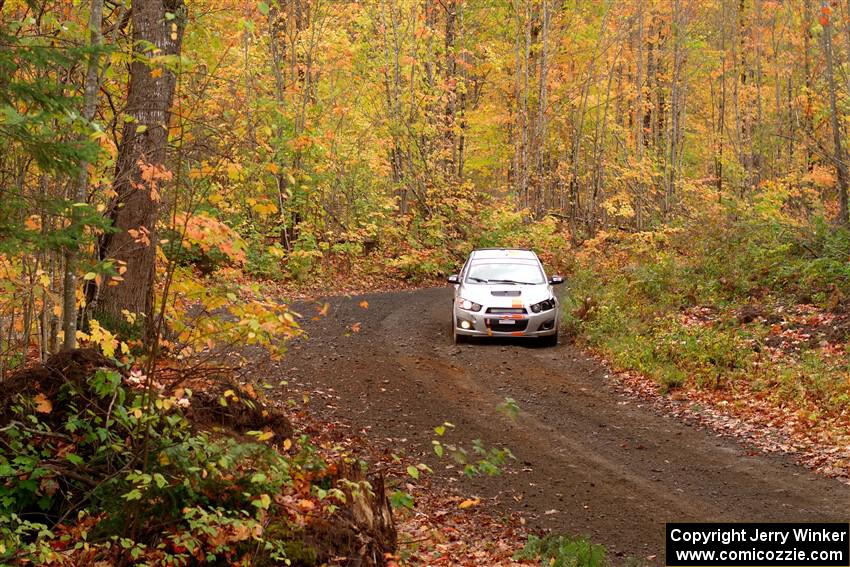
column 550, row 340
column 456, row 338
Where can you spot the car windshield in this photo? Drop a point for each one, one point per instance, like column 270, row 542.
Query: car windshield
column 505, row 272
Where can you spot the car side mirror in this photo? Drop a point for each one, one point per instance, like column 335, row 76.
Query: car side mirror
column 453, row 279
column 556, row 280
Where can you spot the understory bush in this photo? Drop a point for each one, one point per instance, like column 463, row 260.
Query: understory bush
column 667, row 303
column 102, row 467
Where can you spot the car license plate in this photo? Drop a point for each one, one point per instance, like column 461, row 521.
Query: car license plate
column 507, row 321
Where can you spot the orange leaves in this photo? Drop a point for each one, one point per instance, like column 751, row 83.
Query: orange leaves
column 825, row 12
column 33, row 222
column 153, row 176
column 821, row 176
column 301, row 143
column 207, row 233
column 43, row 404
column 140, row 235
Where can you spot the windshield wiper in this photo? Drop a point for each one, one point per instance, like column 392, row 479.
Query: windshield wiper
column 479, row 280
column 510, row 282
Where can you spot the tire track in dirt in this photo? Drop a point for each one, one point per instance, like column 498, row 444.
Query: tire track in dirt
column 589, row 460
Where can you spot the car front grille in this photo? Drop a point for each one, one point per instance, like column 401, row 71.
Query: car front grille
column 498, row 326
column 506, row 310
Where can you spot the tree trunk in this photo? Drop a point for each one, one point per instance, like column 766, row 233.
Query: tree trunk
column 808, row 111
column 639, row 123
column 69, row 288
column 140, row 168
column 840, row 163
column 675, row 96
column 450, row 77
column 542, row 102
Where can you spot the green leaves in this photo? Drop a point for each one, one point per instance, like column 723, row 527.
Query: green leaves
column 438, row 448
column 401, row 499
column 509, row 408
column 262, row 502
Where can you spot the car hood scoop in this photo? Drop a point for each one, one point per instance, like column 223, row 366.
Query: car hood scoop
column 506, row 293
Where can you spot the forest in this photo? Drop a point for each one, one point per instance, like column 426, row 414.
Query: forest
column 182, row 182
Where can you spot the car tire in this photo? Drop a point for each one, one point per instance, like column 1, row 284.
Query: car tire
column 550, row 340
column 457, row 338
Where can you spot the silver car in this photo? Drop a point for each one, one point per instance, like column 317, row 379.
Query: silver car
column 504, row 293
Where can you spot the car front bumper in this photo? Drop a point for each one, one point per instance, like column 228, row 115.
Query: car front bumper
column 482, row 324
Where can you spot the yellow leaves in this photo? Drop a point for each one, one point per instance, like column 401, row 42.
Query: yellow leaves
column 252, row 321
column 265, row 435
column 43, row 404
column 276, row 251
column 234, row 171
column 263, row 208
column 619, row 205
column 469, row 503
column 364, row 304
column 206, row 170
column 102, row 338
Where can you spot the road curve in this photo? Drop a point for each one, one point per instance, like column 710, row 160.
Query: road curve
column 589, row 460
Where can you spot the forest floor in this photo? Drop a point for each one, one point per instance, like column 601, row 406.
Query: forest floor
column 592, row 456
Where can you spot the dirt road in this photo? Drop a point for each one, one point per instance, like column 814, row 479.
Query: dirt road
column 589, row 460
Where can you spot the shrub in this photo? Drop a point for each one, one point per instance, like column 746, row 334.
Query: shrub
column 88, row 452
column 562, row 551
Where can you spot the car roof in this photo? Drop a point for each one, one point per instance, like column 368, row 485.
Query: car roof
column 503, row 254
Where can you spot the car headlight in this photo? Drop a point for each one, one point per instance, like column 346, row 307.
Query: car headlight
column 544, row 305
column 469, row 305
